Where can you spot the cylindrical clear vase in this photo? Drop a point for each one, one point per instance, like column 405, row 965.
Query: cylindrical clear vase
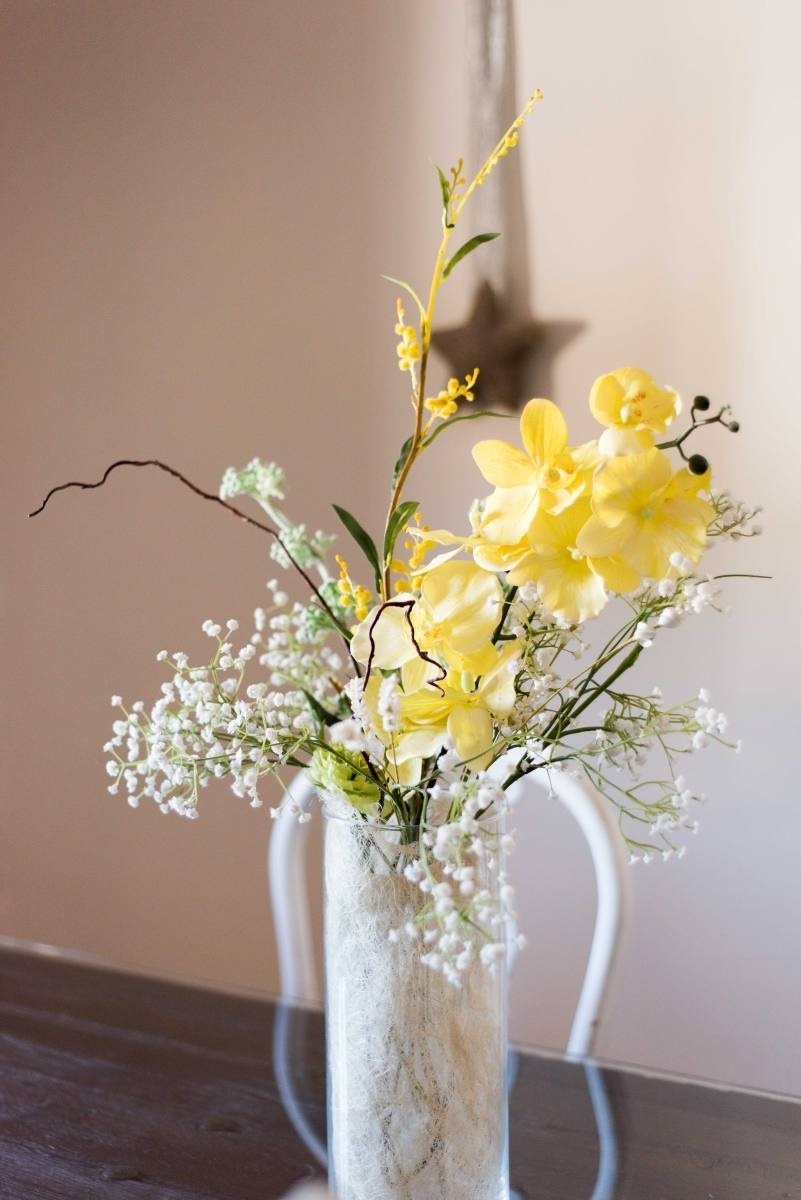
column 417, row 1082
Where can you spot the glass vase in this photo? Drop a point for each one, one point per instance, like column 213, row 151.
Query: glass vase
column 417, row 1085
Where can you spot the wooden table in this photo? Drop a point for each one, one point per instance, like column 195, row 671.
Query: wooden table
column 126, row 1088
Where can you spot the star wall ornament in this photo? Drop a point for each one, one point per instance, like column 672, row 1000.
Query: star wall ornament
column 515, row 354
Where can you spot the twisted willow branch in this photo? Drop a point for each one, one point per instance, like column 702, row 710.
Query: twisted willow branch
column 193, row 487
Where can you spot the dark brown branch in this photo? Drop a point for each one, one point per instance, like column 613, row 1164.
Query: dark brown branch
column 154, row 462
column 720, row 418
column 407, row 606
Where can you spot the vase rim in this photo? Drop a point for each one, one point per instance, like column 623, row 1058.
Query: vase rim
column 371, row 822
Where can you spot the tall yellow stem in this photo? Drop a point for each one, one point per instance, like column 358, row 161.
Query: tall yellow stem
column 501, row 148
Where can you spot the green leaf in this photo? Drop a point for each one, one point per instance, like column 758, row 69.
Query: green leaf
column 401, row 516
column 468, row 248
column 407, row 287
column 468, row 416
column 321, row 713
column 402, row 458
column 362, row 540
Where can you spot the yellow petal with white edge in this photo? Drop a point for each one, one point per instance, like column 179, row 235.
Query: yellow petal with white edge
column 471, row 730
column 544, row 431
column 599, row 540
column 392, row 644
column 502, row 464
column 496, row 689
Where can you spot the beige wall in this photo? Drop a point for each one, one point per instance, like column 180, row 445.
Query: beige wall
column 199, row 199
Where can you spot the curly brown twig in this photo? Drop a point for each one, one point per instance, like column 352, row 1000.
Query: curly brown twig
column 154, row 462
column 407, row 606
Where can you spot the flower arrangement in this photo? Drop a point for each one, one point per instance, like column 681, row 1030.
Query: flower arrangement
column 418, row 686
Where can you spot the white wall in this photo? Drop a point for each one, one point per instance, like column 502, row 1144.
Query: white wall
column 202, row 198
column 665, row 188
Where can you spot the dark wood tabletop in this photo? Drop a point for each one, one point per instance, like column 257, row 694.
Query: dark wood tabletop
column 127, row 1088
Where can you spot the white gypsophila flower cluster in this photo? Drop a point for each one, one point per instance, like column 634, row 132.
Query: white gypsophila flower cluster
column 468, row 906
column 355, row 733
column 627, row 732
column 265, row 483
column 734, row 519
column 632, row 728
column 209, row 724
column 389, row 697
column 292, row 642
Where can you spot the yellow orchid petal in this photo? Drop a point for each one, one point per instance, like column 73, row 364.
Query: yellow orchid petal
column 617, row 574
column 606, row 398
column 544, row 432
column 471, row 730
column 502, row 464
column 418, row 672
column 392, row 643
column 436, row 561
column 626, row 485
column 406, row 772
column 507, row 515
column 500, row 558
column 685, row 483
column 418, row 743
column 443, row 537
column 630, row 397
column 569, row 588
column 617, row 441
column 556, row 532
column 496, row 690
column 599, row 540
column 524, row 571
column 477, row 663
column 426, row 707
column 678, row 527
column 465, row 600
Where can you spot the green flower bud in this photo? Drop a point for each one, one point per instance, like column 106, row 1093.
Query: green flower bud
column 342, row 774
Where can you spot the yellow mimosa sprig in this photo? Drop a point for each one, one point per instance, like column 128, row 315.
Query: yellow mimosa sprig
column 455, row 196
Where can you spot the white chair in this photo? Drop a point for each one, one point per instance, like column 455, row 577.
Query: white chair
column 298, row 974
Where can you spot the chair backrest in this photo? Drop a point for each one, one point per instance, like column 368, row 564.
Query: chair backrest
column 287, row 877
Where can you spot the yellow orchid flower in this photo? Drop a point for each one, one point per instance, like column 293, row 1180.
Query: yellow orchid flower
column 633, row 407
column 643, row 513
column 455, row 614
column 464, row 708
column 539, row 474
column 570, row 584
